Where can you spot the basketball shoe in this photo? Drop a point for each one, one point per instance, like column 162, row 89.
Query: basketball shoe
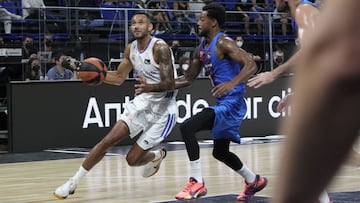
column 66, row 189
column 153, row 166
column 192, row 190
column 252, row 188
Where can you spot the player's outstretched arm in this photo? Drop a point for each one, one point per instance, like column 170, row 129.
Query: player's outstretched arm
column 119, row 76
column 191, row 74
column 268, row 77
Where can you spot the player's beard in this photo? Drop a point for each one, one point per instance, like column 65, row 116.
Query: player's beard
column 203, row 33
column 140, row 35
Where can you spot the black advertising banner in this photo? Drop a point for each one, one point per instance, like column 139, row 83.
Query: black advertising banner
column 58, row 114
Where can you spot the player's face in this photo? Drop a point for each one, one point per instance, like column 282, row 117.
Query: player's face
column 140, row 26
column 204, row 24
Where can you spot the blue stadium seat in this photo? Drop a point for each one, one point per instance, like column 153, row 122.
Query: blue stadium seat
column 10, row 6
column 109, row 13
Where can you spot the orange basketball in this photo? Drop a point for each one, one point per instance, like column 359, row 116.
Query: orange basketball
column 92, row 71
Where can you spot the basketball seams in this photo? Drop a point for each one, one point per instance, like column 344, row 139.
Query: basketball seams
column 92, row 71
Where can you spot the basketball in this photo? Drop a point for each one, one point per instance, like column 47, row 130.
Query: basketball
column 92, row 71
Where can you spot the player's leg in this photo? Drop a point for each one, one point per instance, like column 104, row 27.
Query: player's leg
column 201, row 121
column 118, row 133
column 333, row 121
column 140, row 152
column 253, row 182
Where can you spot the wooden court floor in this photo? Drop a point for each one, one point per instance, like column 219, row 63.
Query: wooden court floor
column 113, row 181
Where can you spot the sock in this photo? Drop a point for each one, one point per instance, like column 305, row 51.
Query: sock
column 248, row 175
column 195, row 170
column 80, row 174
column 324, row 197
column 157, row 154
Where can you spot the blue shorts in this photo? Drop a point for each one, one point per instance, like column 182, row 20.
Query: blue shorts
column 229, row 114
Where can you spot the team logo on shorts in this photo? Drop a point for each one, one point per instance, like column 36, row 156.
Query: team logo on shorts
column 146, row 142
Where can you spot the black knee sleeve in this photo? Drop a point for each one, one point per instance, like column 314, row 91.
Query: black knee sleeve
column 221, row 152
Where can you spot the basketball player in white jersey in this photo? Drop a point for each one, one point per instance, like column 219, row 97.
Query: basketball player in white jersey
column 153, row 111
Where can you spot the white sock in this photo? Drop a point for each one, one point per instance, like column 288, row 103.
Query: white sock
column 80, row 174
column 157, row 154
column 324, row 197
column 195, row 170
column 248, row 175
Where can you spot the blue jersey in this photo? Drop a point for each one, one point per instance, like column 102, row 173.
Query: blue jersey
column 231, row 108
column 302, row 2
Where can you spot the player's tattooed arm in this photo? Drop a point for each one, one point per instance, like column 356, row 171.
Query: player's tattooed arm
column 163, row 57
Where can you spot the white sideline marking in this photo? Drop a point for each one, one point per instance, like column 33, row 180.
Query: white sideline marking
column 76, row 152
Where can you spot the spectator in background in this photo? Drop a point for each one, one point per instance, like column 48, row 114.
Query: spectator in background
column 175, row 47
column 59, row 72
column 28, row 48
column 244, row 6
column 161, row 18
column 32, row 9
column 183, row 16
column 33, row 70
column 240, row 42
column 256, row 16
column 281, row 18
column 6, row 17
column 48, row 42
column 278, row 57
column 196, row 5
column 184, row 64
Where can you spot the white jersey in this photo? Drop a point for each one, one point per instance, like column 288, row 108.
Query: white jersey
column 152, row 113
column 144, row 64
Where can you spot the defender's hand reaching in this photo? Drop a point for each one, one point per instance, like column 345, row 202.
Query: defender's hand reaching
column 261, row 79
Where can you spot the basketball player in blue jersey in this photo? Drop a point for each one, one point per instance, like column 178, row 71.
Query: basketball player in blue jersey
column 151, row 114
column 326, row 122
column 228, row 67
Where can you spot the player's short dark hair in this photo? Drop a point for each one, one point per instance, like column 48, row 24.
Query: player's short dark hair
column 142, row 13
column 216, row 11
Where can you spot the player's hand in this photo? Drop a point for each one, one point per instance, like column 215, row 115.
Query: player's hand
column 283, row 103
column 222, row 89
column 261, row 79
column 142, row 86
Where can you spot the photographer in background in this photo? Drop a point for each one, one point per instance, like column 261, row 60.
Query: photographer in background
column 33, row 71
column 278, row 57
column 60, row 71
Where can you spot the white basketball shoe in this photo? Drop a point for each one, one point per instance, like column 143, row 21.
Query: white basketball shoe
column 153, row 166
column 66, row 189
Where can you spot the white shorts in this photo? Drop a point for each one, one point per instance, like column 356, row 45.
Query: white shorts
column 154, row 119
